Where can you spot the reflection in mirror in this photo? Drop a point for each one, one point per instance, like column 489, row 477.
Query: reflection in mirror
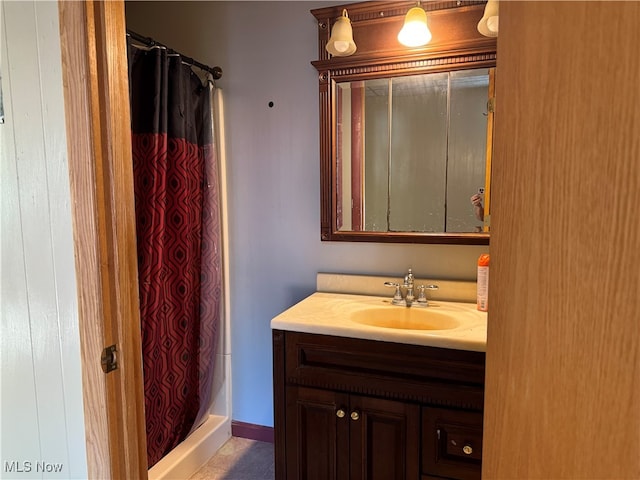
column 410, row 152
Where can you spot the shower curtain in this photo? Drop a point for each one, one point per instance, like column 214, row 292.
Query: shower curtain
column 179, row 237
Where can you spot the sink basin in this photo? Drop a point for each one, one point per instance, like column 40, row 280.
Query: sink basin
column 405, row 318
column 456, row 325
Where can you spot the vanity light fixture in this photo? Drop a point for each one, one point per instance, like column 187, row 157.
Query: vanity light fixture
column 415, row 31
column 341, row 43
column 488, row 24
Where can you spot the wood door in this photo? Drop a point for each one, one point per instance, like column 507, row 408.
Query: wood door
column 384, row 439
column 563, row 350
column 317, row 439
column 94, row 66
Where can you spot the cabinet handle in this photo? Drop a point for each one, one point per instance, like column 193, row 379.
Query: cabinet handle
column 340, row 413
column 355, row 415
column 467, row 449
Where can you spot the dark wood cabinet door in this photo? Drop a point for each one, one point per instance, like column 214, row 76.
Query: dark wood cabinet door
column 384, row 439
column 452, row 443
column 317, row 434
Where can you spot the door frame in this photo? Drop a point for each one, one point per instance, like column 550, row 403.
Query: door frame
column 96, row 96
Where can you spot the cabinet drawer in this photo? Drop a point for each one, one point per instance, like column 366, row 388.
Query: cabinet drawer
column 452, row 443
column 421, row 374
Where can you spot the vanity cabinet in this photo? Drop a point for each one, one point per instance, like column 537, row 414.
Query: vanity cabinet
column 348, row 408
column 338, row 435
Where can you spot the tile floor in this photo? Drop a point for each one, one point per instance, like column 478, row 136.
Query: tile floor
column 239, row 459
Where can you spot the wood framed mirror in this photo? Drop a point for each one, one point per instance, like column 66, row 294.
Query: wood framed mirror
column 406, row 133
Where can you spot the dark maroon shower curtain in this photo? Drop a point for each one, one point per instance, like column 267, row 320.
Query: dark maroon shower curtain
column 178, row 234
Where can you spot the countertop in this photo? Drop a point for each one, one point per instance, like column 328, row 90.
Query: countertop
column 330, row 314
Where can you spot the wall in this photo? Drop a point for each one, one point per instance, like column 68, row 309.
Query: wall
column 265, row 49
column 42, row 412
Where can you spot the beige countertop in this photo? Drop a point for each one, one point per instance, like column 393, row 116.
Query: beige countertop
column 343, row 315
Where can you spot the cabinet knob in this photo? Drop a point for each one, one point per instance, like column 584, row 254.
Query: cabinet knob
column 467, row 449
column 340, row 413
column 355, row 415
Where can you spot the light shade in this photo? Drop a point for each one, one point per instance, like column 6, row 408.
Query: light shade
column 341, row 43
column 415, row 31
column 488, row 24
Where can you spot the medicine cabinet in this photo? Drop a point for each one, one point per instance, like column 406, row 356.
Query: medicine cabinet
column 406, row 133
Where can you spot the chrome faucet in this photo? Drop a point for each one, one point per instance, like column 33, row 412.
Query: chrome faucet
column 409, row 298
column 408, row 284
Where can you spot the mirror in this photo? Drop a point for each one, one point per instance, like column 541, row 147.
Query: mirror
column 410, row 152
column 405, row 133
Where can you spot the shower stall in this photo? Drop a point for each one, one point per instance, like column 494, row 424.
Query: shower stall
column 180, row 205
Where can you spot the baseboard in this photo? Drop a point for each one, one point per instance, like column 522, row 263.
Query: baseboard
column 252, row 431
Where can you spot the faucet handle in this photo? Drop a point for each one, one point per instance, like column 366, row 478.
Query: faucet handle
column 422, row 297
column 397, row 296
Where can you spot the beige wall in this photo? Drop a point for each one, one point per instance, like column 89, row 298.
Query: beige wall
column 563, row 352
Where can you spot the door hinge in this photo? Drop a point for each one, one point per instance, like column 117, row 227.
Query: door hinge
column 491, row 105
column 108, row 360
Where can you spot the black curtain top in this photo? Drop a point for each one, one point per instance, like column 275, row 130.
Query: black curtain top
column 168, row 96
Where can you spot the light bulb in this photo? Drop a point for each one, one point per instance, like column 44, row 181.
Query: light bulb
column 488, row 24
column 415, row 31
column 341, row 43
column 341, row 46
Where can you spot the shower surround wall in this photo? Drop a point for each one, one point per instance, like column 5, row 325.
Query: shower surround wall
column 265, row 50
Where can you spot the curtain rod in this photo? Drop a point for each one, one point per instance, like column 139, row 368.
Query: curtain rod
column 216, row 72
